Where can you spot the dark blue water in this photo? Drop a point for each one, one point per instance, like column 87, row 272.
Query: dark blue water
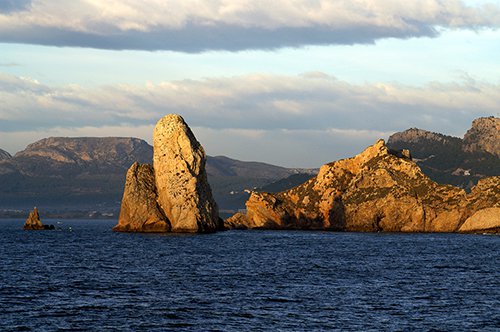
column 90, row 278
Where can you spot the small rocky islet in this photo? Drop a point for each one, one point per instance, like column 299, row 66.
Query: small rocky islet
column 33, row 222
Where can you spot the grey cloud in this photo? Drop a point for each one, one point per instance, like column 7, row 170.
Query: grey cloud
column 9, row 6
column 264, row 102
column 310, row 119
column 194, row 38
column 234, row 25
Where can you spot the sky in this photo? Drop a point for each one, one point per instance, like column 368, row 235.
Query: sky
column 296, row 83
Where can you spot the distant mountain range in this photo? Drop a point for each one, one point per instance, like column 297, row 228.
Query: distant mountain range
column 63, row 174
column 68, row 174
column 458, row 161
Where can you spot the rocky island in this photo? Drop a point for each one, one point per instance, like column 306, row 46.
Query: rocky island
column 173, row 195
column 378, row 190
column 34, row 223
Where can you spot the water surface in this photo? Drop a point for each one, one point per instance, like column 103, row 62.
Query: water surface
column 85, row 277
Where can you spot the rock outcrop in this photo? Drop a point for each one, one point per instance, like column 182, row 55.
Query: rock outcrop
column 139, row 210
column 377, row 190
column 485, row 220
column 181, row 180
column 174, row 194
column 483, row 136
column 34, row 223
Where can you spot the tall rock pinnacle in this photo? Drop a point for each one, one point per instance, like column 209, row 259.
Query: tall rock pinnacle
column 174, row 194
column 181, row 180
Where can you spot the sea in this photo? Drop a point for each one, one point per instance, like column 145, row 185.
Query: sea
column 84, row 277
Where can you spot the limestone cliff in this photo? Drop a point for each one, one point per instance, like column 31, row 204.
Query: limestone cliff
column 174, row 194
column 34, row 223
column 483, row 136
column 377, row 190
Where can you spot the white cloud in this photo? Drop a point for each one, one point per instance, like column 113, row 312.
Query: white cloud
column 305, row 117
column 194, row 25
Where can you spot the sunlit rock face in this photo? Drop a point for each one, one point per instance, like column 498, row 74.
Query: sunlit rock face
column 139, row 210
column 485, row 220
column 173, row 195
column 377, row 190
column 483, row 136
column 181, row 180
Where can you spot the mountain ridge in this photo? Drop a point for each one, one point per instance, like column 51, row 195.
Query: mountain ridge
column 453, row 160
column 89, row 172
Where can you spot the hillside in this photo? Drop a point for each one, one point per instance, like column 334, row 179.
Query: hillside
column 63, row 174
column 89, row 173
column 453, row 160
column 69, row 173
column 232, row 179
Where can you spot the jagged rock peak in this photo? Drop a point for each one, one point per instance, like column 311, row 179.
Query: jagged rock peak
column 4, row 155
column 484, row 135
column 184, row 194
column 34, row 223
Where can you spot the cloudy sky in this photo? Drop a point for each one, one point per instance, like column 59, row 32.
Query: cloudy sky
column 291, row 82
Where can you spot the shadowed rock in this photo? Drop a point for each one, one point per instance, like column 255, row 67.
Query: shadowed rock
column 4, row 155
